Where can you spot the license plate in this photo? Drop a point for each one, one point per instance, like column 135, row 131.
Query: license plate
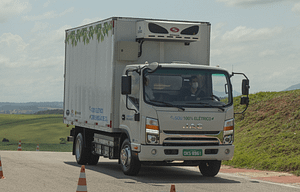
column 192, row 152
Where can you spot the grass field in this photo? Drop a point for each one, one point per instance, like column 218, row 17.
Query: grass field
column 267, row 136
column 45, row 130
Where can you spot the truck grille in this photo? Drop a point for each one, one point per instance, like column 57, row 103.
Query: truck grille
column 193, row 132
column 191, row 142
column 171, row 151
column 206, row 151
column 186, row 138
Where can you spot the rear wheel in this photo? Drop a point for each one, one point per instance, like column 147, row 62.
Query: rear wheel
column 130, row 164
column 80, row 152
column 210, row 168
column 93, row 160
column 84, row 154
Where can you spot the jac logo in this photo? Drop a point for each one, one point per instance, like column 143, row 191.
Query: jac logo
column 174, row 29
column 193, row 126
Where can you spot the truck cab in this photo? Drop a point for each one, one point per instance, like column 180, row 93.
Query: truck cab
column 178, row 114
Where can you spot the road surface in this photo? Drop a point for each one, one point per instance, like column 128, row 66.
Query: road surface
column 36, row 171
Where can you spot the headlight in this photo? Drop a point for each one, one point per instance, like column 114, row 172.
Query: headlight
column 228, row 131
column 152, row 131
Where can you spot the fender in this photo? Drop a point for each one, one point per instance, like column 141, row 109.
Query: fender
column 125, row 133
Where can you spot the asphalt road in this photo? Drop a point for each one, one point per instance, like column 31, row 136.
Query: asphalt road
column 57, row 171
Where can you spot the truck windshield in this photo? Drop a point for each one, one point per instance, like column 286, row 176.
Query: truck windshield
column 187, row 88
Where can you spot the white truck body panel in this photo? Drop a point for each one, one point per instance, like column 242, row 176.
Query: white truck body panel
column 94, row 65
column 89, row 80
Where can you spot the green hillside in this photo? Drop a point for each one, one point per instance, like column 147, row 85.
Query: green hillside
column 45, row 130
column 267, row 136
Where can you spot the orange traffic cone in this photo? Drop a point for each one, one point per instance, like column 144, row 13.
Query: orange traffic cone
column 82, row 181
column 172, row 188
column 19, row 147
column 37, row 147
column 1, row 172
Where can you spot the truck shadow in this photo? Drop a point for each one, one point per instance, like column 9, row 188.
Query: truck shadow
column 156, row 174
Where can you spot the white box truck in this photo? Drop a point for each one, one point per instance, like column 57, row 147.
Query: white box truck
column 142, row 91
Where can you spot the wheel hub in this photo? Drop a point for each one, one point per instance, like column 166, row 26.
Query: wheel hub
column 125, row 156
column 78, row 149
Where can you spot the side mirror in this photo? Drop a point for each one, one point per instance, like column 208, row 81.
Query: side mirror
column 244, row 101
column 245, row 87
column 126, row 85
column 245, row 91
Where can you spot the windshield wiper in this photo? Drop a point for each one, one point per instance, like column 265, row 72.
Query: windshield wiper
column 208, row 105
column 169, row 104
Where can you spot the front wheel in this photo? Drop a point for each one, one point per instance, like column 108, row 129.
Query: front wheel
column 210, row 168
column 130, row 164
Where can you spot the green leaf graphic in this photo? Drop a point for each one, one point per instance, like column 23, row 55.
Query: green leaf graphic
column 86, row 34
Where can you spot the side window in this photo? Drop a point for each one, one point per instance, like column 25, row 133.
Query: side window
column 220, row 87
column 134, row 97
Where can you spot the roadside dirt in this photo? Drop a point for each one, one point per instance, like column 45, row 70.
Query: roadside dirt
column 276, row 177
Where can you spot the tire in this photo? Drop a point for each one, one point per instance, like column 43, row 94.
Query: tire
column 130, row 164
column 210, row 168
column 93, row 160
column 83, row 155
column 80, row 151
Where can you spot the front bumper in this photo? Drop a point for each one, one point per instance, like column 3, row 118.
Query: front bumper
column 146, row 154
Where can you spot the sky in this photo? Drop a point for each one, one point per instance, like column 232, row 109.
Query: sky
column 258, row 37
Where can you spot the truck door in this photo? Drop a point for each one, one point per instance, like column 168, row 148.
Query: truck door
column 130, row 107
